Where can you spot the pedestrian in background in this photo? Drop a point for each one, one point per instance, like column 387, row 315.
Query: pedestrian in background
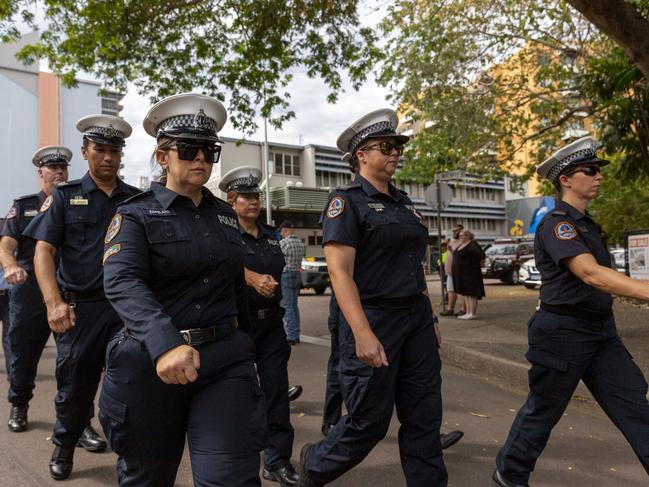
column 264, row 263
column 70, row 231
column 183, row 367
column 293, row 250
column 573, row 336
column 29, row 330
column 375, row 241
column 451, row 247
column 467, row 273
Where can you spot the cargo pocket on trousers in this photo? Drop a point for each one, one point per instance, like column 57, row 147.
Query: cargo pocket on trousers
column 112, row 416
column 548, row 374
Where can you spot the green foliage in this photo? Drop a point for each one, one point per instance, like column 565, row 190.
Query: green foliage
column 497, row 79
column 239, row 50
column 620, row 91
column 622, row 204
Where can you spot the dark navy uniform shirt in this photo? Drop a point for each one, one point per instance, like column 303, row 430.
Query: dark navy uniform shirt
column 74, row 220
column 23, row 211
column 388, row 234
column 565, row 233
column 264, row 256
column 170, row 266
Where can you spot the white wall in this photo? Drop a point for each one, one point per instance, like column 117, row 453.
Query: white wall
column 18, row 141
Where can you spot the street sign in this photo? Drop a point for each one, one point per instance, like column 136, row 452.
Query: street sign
column 445, row 196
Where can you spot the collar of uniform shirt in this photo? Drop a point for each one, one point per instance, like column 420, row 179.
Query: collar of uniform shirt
column 571, row 210
column 88, row 185
column 372, row 191
column 166, row 197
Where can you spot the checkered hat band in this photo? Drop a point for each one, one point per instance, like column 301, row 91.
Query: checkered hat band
column 199, row 121
column 57, row 157
column 108, row 132
column 247, row 182
column 574, row 158
column 367, row 132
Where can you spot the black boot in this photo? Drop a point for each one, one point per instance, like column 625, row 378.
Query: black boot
column 61, row 462
column 501, row 481
column 294, row 392
column 91, row 441
column 451, row 438
column 17, row 419
column 286, row 476
column 305, row 479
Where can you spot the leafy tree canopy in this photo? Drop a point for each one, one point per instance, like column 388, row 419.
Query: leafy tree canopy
column 239, row 50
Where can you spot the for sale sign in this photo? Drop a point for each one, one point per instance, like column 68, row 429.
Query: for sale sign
column 638, row 254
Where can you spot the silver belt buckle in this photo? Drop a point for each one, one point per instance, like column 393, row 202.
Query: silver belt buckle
column 186, row 336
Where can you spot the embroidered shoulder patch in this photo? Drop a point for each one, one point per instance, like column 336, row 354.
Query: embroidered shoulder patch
column 113, row 228
column 565, row 231
column 112, row 250
column 47, row 203
column 336, row 207
column 11, row 213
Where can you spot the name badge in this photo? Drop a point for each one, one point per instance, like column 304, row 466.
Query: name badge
column 79, row 202
column 30, row 213
column 376, row 206
column 158, row 212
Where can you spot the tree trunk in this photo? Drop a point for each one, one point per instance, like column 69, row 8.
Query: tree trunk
column 623, row 23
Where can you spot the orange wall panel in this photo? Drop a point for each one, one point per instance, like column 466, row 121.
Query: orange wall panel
column 49, row 109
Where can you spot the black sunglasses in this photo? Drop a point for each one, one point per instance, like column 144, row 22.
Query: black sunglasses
column 587, row 170
column 187, row 150
column 386, row 148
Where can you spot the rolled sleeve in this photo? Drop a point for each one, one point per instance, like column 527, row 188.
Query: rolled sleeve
column 126, row 273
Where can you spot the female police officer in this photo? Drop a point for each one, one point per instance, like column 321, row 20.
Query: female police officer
column 573, row 335
column 174, row 273
column 264, row 262
column 374, row 242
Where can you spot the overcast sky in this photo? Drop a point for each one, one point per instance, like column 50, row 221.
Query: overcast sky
column 315, row 122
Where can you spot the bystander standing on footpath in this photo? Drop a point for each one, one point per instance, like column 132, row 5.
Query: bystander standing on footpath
column 293, row 250
column 451, row 247
column 467, row 274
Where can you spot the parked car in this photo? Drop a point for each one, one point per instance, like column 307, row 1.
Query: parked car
column 504, row 260
column 533, row 279
column 314, row 274
column 619, row 260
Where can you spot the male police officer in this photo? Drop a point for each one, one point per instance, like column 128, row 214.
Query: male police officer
column 72, row 225
column 29, row 330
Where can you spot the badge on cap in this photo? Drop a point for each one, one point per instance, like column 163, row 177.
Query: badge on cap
column 113, row 228
column 47, row 203
column 112, row 250
column 336, row 207
column 565, row 231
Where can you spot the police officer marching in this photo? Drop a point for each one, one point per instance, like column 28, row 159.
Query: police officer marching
column 264, row 262
column 29, row 331
column 573, row 336
column 374, row 242
column 70, row 229
column 184, row 364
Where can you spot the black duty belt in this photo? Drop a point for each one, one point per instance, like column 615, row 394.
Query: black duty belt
column 576, row 312
column 263, row 314
column 392, row 303
column 73, row 298
column 197, row 336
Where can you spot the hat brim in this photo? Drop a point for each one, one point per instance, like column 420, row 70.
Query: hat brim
column 184, row 134
column 401, row 139
column 112, row 141
column 55, row 163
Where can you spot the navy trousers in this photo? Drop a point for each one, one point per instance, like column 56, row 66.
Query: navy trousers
column 563, row 350
column 28, row 335
column 333, row 397
column 222, row 414
column 79, row 362
column 272, row 352
column 412, row 382
column 4, row 317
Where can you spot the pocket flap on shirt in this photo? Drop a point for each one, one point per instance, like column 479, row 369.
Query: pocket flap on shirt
column 161, row 231
column 546, row 359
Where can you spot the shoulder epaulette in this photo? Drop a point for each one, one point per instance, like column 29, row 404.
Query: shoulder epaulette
column 559, row 213
column 74, row 182
column 349, row 185
column 27, row 196
column 136, row 196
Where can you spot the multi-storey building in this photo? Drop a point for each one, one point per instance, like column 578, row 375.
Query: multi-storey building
column 302, row 177
column 38, row 110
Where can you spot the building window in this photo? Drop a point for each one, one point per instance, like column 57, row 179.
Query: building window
column 287, row 164
column 315, row 240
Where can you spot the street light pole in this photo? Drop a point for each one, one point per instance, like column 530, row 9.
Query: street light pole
column 266, row 169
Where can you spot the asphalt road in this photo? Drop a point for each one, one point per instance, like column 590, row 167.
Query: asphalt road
column 584, row 450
